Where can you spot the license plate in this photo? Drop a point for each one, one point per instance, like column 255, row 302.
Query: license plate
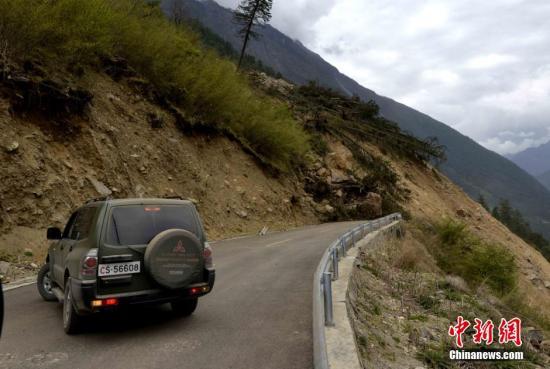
column 118, row 268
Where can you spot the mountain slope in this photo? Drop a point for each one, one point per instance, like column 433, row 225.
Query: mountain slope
column 535, row 160
column 545, row 179
column 476, row 169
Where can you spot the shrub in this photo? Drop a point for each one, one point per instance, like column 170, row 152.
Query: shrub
column 477, row 262
column 171, row 57
column 428, row 302
column 452, row 233
column 517, row 302
column 435, row 356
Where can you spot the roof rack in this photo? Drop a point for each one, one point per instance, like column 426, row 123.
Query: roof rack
column 101, row 198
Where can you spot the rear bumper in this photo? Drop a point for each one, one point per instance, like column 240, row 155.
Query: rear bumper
column 84, row 293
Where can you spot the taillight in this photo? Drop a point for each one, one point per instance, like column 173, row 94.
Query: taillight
column 89, row 264
column 111, row 302
column 198, row 290
column 207, row 255
column 108, row 302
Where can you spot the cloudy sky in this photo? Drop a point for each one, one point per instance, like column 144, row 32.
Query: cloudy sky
column 482, row 67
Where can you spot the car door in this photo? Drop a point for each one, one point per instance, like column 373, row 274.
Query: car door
column 58, row 269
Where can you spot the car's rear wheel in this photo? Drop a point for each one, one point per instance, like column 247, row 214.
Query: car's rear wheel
column 44, row 283
column 71, row 320
column 184, row 307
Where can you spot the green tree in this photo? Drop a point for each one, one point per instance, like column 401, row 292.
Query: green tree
column 495, row 213
column 178, row 11
column 248, row 14
column 481, row 200
column 514, row 220
column 505, row 212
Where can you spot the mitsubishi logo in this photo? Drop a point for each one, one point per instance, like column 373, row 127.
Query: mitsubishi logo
column 179, row 249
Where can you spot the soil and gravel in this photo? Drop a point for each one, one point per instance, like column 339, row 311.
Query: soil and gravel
column 126, row 146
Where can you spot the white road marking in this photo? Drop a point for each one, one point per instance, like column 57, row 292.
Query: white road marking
column 21, row 283
column 278, row 242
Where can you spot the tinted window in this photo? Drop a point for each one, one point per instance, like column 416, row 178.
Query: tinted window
column 138, row 224
column 82, row 225
column 69, row 225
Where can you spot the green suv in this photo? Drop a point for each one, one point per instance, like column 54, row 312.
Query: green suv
column 116, row 253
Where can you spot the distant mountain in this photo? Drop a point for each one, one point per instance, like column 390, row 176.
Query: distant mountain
column 474, row 168
column 545, row 179
column 535, row 160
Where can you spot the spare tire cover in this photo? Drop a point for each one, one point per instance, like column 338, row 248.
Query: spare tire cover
column 174, row 258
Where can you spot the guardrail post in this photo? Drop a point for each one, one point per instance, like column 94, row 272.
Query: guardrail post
column 346, row 241
column 334, row 264
column 343, row 245
column 327, row 292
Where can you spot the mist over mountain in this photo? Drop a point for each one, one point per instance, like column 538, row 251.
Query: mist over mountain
column 474, row 168
column 545, row 179
column 535, row 160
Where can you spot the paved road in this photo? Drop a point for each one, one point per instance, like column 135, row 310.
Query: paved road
column 258, row 316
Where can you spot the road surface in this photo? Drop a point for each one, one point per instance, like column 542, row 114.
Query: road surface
column 258, row 316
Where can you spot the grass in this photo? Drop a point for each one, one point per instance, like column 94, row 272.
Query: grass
column 73, row 32
column 419, row 317
column 376, row 309
column 515, row 301
column 7, row 256
column 436, row 357
column 476, row 261
column 362, row 340
column 427, row 302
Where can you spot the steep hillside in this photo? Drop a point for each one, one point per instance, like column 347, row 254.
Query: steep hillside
column 474, row 168
column 49, row 168
column 534, row 160
column 110, row 98
column 403, row 294
column 545, row 179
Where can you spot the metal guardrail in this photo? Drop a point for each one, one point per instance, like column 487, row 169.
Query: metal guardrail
column 327, row 271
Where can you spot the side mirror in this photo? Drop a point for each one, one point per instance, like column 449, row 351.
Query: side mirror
column 54, row 233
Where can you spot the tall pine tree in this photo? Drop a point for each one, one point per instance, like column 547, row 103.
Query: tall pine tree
column 513, row 219
column 251, row 13
column 481, row 200
column 178, row 11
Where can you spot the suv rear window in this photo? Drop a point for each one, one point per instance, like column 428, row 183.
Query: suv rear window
column 138, row 224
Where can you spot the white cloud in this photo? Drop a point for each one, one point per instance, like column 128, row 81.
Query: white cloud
column 530, row 93
column 515, row 146
column 490, row 61
column 430, row 17
column 441, row 76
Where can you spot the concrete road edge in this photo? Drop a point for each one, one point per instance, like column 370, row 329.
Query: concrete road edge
column 341, row 347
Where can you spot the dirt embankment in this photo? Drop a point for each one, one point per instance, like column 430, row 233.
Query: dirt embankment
column 126, row 146
column 434, row 197
column 403, row 303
